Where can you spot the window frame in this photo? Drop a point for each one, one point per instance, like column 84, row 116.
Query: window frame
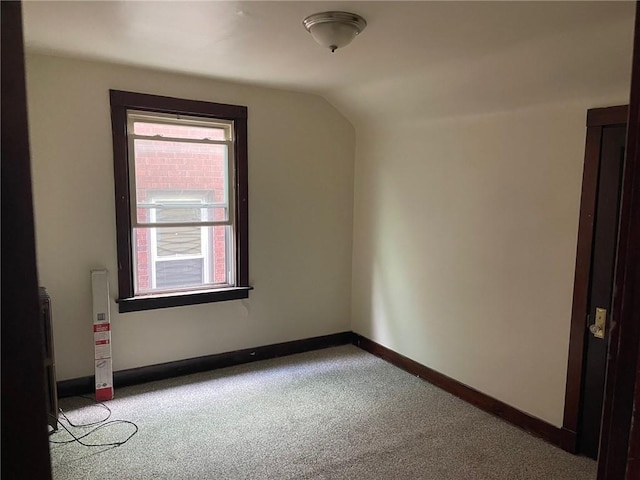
column 121, row 102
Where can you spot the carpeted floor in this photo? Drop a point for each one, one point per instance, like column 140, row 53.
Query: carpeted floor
column 338, row 413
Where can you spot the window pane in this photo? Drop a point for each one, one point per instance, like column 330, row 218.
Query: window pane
column 167, row 173
column 223, row 256
column 177, row 213
column 174, row 241
column 174, row 258
column 180, row 273
column 179, row 131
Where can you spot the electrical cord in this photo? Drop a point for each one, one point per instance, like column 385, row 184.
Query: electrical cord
column 83, row 425
column 111, row 444
column 100, row 424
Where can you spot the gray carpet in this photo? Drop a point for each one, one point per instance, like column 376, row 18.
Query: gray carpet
column 338, row 413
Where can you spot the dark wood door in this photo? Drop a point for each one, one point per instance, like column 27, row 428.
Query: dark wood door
column 601, row 284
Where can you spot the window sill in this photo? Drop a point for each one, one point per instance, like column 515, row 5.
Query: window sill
column 150, row 302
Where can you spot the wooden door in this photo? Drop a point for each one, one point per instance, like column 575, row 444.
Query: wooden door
column 601, row 285
column 595, row 258
column 620, row 438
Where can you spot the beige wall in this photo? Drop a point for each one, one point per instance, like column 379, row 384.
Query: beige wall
column 464, row 246
column 466, row 201
column 301, row 156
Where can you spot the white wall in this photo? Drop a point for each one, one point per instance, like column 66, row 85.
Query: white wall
column 301, row 156
column 466, row 201
column 464, row 246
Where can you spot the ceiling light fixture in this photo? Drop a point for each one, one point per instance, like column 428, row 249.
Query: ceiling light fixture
column 334, row 29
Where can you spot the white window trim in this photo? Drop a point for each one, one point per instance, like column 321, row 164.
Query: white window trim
column 228, row 202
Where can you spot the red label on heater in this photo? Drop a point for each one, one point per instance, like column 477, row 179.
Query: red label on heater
column 102, row 327
column 102, row 342
column 103, row 394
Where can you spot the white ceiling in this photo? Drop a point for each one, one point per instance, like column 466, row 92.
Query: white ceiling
column 414, row 58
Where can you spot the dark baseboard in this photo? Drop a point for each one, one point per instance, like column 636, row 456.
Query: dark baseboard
column 133, row 376
column 564, row 438
column 484, row 402
column 75, row 386
column 568, row 440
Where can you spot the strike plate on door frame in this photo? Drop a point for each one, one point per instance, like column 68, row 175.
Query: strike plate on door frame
column 597, row 329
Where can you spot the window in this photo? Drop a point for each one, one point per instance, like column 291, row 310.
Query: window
column 180, row 169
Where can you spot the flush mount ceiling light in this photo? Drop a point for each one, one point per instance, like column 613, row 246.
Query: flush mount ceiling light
column 334, row 29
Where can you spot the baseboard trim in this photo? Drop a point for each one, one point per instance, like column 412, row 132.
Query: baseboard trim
column 484, row 402
column 75, row 386
column 133, row 376
column 568, row 440
column 563, row 438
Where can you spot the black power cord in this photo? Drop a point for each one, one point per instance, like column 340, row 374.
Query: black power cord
column 105, row 422
column 83, row 425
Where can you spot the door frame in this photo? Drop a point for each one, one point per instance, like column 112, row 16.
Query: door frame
column 597, row 120
column 25, row 442
column 620, row 436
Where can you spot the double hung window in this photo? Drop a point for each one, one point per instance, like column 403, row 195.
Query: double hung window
column 181, row 200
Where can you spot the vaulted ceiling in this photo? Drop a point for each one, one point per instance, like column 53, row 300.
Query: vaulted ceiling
column 414, row 59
